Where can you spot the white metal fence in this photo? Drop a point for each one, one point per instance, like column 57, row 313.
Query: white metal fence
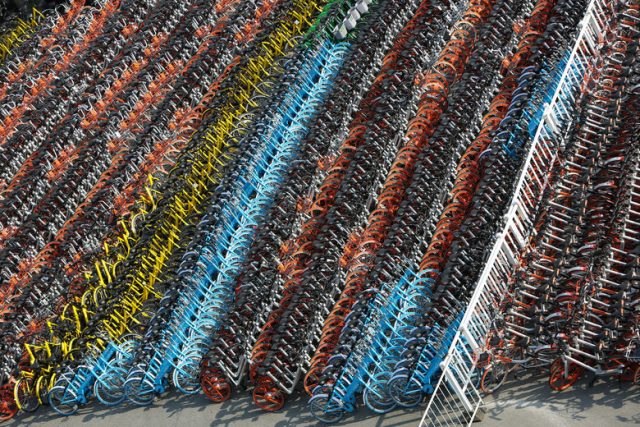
column 456, row 399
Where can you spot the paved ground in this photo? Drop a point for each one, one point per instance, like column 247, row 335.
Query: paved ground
column 521, row 403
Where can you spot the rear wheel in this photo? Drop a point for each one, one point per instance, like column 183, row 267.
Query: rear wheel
column 542, row 359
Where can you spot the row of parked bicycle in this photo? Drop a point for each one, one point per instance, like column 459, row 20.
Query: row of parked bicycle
column 407, row 331
column 160, row 74
column 285, row 194
column 572, row 305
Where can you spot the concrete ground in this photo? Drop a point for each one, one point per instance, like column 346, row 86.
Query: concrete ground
column 526, row 402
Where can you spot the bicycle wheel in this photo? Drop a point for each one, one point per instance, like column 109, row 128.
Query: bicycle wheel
column 42, row 388
column 323, row 411
column 25, row 396
column 635, row 378
column 109, row 388
column 217, row 391
column 63, row 400
column 476, row 377
column 8, row 407
column 560, row 379
column 8, row 410
column 494, row 376
column 138, row 390
column 213, row 383
column 403, row 394
column 185, row 377
column 268, row 398
column 376, row 397
column 311, row 380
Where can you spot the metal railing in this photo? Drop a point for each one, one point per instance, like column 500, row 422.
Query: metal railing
column 456, row 399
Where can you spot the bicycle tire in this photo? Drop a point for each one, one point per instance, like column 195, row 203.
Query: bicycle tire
column 492, row 378
column 26, row 399
column 186, row 376
column 268, row 397
column 8, row 407
column 376, row 396
column 558, row 381
column 397, row 387
column 317, row 407
column 63, row 400
column 136, row 393
column 110, row 390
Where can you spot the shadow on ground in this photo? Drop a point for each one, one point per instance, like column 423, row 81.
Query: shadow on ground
column 529, row 401
column 239, row 411
column 523, row 402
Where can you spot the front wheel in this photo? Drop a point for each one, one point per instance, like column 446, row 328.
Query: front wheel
column 25, row 395
column 636, row 374
column 375, row 396
column 268, row 398
column 185, row 377
column 109, row 388
column 494, row 376
column 323, row 411
column 63, row 400
column 403, row 394
column 43, row 385
column 311, row 380
column 138, row 390
column 215, row 386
